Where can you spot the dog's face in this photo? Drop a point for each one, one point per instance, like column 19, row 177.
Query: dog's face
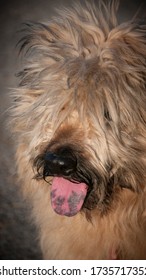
column 86, row 89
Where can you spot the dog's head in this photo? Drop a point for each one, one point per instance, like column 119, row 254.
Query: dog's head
column 83, row 93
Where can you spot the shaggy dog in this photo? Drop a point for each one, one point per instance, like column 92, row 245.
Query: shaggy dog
column 80, row 125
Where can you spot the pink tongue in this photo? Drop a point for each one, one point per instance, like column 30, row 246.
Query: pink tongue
column 66, row 197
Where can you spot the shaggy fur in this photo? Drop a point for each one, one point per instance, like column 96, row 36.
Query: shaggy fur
column 82, row 95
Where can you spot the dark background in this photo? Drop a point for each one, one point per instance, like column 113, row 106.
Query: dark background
column 17, row 234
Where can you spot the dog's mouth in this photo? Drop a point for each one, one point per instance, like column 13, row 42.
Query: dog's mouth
column 67, row 197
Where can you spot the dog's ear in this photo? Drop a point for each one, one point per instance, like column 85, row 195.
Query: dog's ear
column 39, row 58
column 128, row 44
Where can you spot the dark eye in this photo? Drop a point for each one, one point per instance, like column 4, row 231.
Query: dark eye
column 107, row 114
column 63, row 108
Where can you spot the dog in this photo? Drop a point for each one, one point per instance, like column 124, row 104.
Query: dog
column 79, row 122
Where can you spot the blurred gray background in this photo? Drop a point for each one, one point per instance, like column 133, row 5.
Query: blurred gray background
column 18, row 238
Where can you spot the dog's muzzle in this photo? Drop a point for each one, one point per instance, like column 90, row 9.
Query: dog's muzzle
column 75, row 183
column 67, row 193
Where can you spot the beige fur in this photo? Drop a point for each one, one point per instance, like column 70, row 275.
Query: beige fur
column 84, row 84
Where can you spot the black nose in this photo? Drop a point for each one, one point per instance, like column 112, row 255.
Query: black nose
column 57, row 164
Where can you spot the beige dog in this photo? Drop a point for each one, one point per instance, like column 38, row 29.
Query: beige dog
column 80, row 125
